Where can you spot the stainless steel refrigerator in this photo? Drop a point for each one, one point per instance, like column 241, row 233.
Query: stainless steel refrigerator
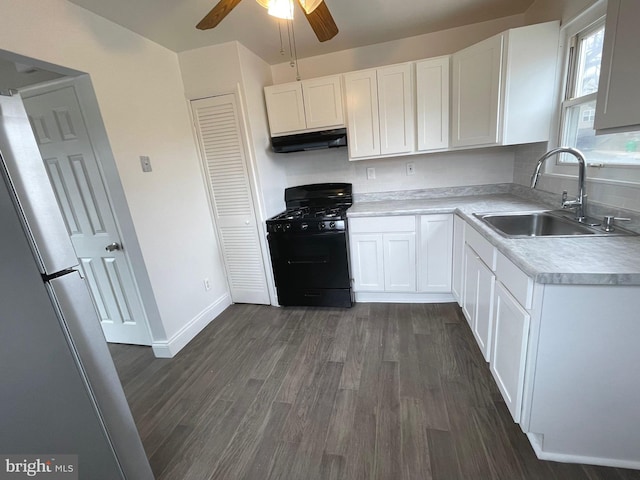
column 59, row 390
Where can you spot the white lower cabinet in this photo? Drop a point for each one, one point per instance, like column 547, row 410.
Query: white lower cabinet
column 457, row 272
column 435, row 253
column 367, row 259
column 478, row 299
column 509, row 349
column 399, row 262
column 404, row 258
column 494, row 291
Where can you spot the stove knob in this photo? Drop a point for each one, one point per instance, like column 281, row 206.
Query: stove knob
column 277, row 227
column 332, row 225
column 304, row 226
column 321, row 225
column 287, row 226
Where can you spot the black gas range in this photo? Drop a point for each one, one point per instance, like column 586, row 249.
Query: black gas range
column 309, row 250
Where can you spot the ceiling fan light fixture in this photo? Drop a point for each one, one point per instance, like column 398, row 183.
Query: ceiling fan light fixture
column 310, row 5
column 281, row 9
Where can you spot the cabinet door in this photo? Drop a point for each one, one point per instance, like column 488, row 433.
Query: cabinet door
column 483, row 321
column 470, row 288
column 323, row 102
column 367, row 259
column 399, row 262
column 618, row 105
column 361, row 90
column 435, row 253
column 476, row 75
column 285, row 108
column 509, row 348
column 458, row 259
column 395, row 103
column 432, row 101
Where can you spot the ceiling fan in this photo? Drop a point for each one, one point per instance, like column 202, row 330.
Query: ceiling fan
column 316, row 11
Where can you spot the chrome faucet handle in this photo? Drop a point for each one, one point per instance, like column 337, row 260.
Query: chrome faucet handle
column 607, row 222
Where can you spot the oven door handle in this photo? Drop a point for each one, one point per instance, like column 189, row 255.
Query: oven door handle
column 306, row 262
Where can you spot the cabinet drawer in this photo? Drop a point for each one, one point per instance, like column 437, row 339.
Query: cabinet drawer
column 515, row 280
column 390, row 224
column 482, row 247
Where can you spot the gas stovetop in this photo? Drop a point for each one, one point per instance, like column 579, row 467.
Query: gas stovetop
column 313, row 208
column 308, row 219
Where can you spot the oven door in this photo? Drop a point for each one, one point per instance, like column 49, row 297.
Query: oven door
column 311, row 269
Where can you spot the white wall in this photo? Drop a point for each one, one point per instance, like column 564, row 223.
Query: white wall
column 563, row 10
column 140, row 94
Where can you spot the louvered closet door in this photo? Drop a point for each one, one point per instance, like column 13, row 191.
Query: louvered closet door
column 223, row 150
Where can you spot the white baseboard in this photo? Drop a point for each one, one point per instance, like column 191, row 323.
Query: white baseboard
column 399, row 297
column 536, row 443
column 169, row 348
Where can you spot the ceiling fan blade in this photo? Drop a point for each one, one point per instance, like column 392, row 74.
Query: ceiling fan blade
column 322, row 22
column 217, row 14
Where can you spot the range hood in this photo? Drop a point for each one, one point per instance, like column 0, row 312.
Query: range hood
column 310, row 141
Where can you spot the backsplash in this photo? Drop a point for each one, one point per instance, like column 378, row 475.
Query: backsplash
column 435, row 170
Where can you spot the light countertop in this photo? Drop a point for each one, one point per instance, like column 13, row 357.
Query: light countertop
column 560, row 260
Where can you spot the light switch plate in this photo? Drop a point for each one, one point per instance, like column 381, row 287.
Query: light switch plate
column 371, row 173
column 145, row 162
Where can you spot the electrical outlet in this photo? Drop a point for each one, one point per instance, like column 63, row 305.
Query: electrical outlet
column 145, row 162
column 411, row 168
column 207, row 284
column 371, row 173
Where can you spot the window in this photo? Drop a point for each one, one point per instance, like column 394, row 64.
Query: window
column 578, row 107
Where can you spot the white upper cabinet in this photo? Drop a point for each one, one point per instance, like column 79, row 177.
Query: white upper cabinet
column 432, row 103
column 503, row 88
column 285, row 108
column 309, row 105
column 476, row 93
column 380, row 110
column 618, row 103
column 363, row 125
column 395, row 107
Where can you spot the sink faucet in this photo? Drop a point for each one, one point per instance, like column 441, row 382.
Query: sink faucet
column 580, row 202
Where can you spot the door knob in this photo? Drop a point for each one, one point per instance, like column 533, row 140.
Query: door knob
column 112, row 247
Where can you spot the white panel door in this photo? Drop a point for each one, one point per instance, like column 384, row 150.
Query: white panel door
column 509, row 348
column 223, row 150
column 65, row 146
column 435, row 253
column 432, row 103
column 395, row 103
column 285, row 108
column 367, row 259
column 363, row 127
column 476, row 75
column 399, row 262
column 323, row 102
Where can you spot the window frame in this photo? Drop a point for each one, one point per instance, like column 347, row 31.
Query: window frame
column 582, row 25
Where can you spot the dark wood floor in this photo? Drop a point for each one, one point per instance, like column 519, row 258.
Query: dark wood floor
column 379, row 391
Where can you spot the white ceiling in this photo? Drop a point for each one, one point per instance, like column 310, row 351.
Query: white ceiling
column 171, row 23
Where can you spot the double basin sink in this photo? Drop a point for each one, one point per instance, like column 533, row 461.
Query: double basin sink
column 543, row 224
